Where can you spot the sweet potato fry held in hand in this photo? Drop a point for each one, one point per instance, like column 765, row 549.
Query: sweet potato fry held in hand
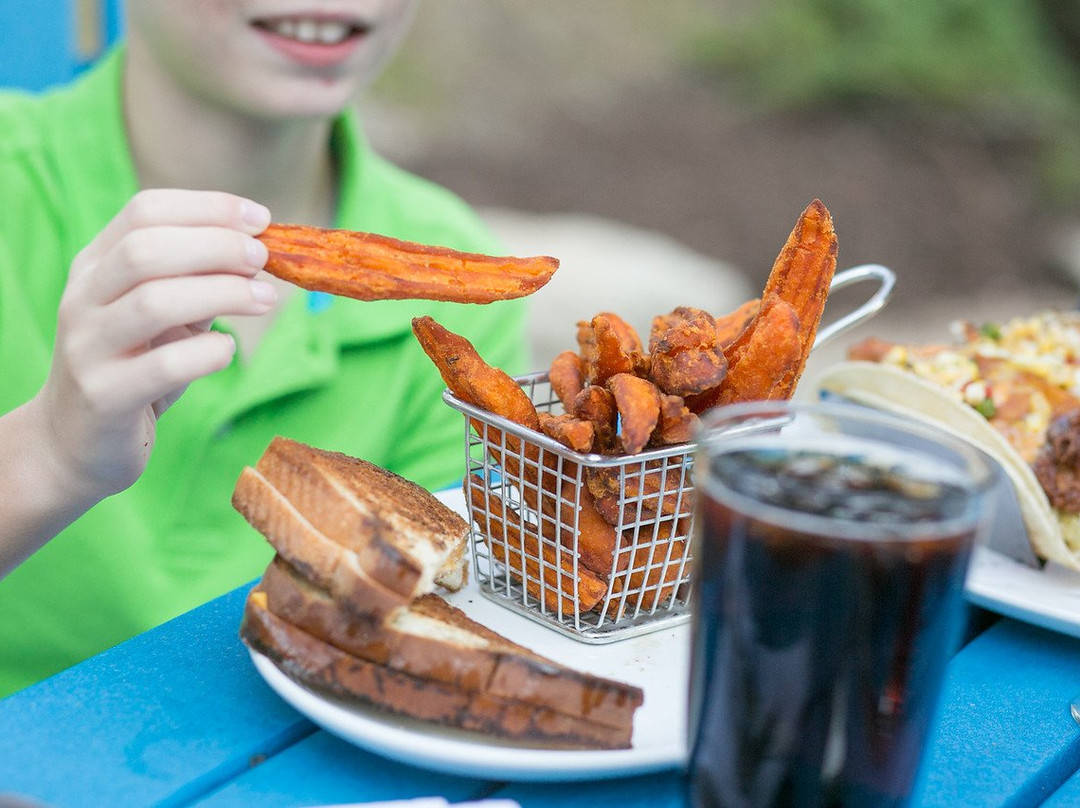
column 366, row 266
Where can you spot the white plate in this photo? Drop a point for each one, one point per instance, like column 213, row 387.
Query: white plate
column 1047, row 597
column 658, row 663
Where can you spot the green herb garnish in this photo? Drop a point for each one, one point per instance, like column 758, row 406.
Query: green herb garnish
column 991, row 331
column 986, row 408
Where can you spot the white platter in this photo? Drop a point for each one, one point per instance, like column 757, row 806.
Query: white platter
column 1006, row 578
column 1048, row 597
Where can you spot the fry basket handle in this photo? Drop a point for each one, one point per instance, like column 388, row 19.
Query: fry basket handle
column 886, row 279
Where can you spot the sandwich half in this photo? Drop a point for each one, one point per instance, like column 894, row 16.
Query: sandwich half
column 366, row 535
column 429, row 660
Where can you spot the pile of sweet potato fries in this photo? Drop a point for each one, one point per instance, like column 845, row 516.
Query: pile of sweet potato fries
column 619, row 397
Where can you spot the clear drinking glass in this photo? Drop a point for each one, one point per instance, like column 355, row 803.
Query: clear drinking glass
column 831, row 545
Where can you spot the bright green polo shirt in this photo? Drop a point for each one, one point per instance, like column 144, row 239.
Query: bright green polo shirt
column 335, row 373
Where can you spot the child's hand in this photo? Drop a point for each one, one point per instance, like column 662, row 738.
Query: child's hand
column 133, row 327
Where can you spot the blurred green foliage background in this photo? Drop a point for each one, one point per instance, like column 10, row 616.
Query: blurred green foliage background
column 1009, row 68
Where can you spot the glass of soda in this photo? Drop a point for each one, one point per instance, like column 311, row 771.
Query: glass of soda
column 830, row 548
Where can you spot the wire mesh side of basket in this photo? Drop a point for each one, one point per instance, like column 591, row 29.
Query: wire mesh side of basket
column 531, row 501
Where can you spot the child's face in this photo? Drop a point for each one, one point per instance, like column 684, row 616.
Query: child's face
column 278, row 58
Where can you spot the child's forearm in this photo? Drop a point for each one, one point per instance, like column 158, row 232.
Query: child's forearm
column 38, row 496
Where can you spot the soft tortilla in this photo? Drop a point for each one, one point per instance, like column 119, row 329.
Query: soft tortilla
column 892, row 389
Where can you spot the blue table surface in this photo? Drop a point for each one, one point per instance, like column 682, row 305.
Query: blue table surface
column 149, row 722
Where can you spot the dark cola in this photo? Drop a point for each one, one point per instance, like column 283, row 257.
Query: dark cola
column 826, row 606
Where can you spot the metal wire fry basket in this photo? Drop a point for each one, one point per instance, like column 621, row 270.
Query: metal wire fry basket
column 538, row 509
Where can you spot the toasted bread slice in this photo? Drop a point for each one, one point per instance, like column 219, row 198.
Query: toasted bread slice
column 398, row 533
column 320, row 665
column 434, row 640
column 337, row 569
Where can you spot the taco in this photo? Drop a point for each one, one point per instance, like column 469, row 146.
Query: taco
column 1012, row 389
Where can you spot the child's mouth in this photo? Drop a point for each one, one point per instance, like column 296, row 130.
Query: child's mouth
column 312, row 31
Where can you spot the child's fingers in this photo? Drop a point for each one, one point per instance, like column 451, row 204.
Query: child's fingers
column 153, row 308
column 156, row 377
column 181, row 208
column 161, row 252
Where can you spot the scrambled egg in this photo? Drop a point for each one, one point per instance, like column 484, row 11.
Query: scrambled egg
column 1041, row 355
column 1047, row 344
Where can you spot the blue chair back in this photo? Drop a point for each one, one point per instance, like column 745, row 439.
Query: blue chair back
column 47, row 42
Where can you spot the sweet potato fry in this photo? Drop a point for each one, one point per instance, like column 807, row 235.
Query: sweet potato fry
column 762, row 364
column 608, row 507
column 473, row 380
column 676, row 424
column 581, row 525
column 608, row 346
column 659, row 567
column 730, row 325
column 531, row 560
column 573, row 433
column 470, row 378
column 566, row 378
column 768, row 357
column 638, row 403
column 597, row 404
column 685, row 354
column 372, row 267
column 650, row 489
column 679, row 316
column 801, row 276
column 628, row 337
column 641, row 509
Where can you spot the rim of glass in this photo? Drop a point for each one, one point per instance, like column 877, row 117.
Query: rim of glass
column 979, row 470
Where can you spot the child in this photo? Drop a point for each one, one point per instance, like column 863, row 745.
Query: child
column 131, row 285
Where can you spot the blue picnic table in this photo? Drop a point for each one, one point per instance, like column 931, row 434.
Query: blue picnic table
column 179, row 716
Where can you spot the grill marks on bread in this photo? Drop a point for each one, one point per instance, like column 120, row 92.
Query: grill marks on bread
column 432, row 640
column 393, row 530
